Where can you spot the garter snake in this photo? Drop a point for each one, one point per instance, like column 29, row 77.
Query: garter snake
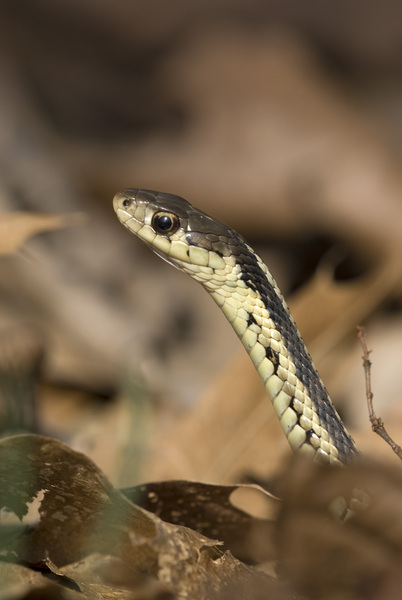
column 240, row 283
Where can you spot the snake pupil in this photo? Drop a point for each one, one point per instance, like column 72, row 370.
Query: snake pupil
column 165, row 223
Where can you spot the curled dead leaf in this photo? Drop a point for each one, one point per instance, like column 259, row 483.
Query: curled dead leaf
column 207, row 508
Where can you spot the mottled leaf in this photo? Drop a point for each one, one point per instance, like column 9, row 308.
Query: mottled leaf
column 207, row 508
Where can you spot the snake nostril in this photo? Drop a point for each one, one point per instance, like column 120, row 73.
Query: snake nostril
column 126, row 203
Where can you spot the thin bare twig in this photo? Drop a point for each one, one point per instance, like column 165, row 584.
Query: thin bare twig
column 377, row 424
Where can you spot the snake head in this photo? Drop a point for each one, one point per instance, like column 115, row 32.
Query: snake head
column 181, row 234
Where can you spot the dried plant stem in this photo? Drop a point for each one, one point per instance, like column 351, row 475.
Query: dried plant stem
column 377, row 424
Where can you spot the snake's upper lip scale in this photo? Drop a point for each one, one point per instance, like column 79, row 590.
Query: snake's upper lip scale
column 121, row 212
column 118, row 200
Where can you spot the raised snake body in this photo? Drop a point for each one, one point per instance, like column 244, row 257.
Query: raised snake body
column 241, row 284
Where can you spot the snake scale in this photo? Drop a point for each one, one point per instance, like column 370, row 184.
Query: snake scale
column 240, row 283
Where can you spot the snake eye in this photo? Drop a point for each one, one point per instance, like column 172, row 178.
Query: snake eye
column 165, row 223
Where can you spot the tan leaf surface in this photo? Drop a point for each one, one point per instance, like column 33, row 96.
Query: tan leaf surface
column 327, row 311
column 17, row 227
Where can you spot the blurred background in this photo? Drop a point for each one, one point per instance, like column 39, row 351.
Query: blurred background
column 283, row 120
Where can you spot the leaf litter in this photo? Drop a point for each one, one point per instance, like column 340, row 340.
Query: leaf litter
column 90, row 540
column 81, row 515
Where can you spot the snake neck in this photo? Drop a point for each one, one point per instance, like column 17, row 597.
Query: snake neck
column 251, row 301
column 240, row 283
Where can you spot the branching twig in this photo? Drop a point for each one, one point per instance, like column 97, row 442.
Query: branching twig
column 377, row 424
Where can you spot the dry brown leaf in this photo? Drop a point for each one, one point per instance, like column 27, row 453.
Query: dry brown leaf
column 80, row 513
column 327, row 311
column 208, row 509
column 17, row 581
column 17, row 227
column 326, row 558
